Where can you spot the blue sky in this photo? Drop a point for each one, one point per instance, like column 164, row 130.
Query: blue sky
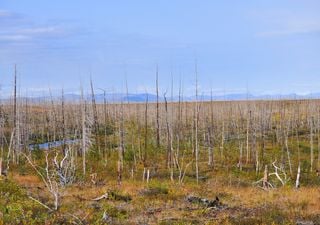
column 269, row 46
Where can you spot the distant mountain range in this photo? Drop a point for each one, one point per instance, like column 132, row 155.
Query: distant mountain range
column 142, row 97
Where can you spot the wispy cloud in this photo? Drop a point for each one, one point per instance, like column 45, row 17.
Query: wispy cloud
column 13, row 37
column 29, row 33
column 286, row 23
column 16, row 28
column 8, row 17
column 41, row 30
column 292, row 30
column 4, row 13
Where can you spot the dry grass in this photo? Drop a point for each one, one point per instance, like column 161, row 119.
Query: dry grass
column 247, row 205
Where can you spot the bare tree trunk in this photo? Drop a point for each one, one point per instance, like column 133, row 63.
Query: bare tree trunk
column 288, row 153
column 179, row 132
column 84, row 132
column 265, row 177
column 105, row 121
column 318, row 139
column 247, row 137
column 63, row 122
column 222, row 139
column 257, row 163
column 168, row 160
column 16, row 144
column 119, row 171
column 196, row 126
column 144, row 174
column 145, row 132
column 158, row 122
column 298, row 177
column 148, row 176
column 311, row 144
column 95, row 116
column 210, row 135
column 12, row 152
column 15, row 98
column 240, row 155
column 0, row 166
column 122, row 147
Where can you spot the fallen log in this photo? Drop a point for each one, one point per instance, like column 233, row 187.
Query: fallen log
column 205, row 202
column 104, row 196
column 111, row 195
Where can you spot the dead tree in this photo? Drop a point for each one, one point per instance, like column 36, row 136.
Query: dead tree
column 279, row 173
column 95, row 116
column 122, row 145
column 196, row 121
column 247, row 136
column 86, row 131
column 14, row 145
column 265, row 178
column 157, row 116
column 211, row 135
column 169, row 140
column 63, row 121
column 298, row 177
column 1, row 137
column 0, row 166
column 287, row 148
column 145, row 132
column 318, row 137
column 311, row 143
column 15, row 113
column 65, row 168
column 48, row 177
column 179, row 124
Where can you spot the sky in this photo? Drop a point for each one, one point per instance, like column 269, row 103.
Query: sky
column 265, row 46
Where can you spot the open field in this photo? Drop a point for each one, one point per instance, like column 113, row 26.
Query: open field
column 160, row 163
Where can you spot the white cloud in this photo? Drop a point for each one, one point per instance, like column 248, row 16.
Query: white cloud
column 13, row 37
column 15, row 27
column 291, row 30
column 285, row 23
column 29, row 33
column 40, row 30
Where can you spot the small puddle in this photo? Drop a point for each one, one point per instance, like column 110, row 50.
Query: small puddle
column 53, row 144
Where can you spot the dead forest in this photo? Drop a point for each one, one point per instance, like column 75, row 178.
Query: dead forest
column 264, row 145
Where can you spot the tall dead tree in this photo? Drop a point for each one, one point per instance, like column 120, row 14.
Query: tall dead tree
column 63, row 122
column 210, row 134
column 14, row 140
column 105, row 120
column 169, row 140
column 16, row 121
column 122, row 145
column 311, row 121
column 287, row 148
column 15, row 98
column 179, row 124
column 247, row 135
column 318, row 137
column 86, row 124
column 158, row 120
column 196, row 121
column 95, row 116
column 145, row 131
